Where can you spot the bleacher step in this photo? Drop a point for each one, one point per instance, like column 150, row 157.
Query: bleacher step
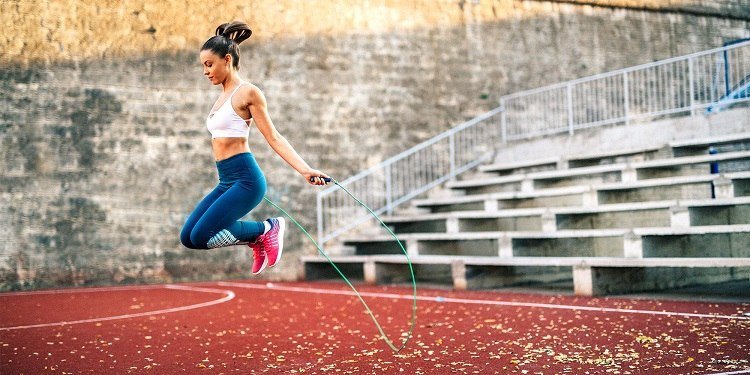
column 729, row 240
column 700, row 145
column 626, row 172
column 590, row 275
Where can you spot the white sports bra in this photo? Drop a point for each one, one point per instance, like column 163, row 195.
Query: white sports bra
column 225, row 122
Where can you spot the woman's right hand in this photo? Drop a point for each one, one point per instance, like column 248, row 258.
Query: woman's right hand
column 315, row 177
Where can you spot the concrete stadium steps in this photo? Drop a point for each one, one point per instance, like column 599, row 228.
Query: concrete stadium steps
column 502, row 184
column 719, row 240
column 541, row 180
column 575, row 176
column 721, row 144
column 724, row 143
column 614, row 157
column 628, row 215
column 500, row 244
column 739, row 186
column 599, row 174
column 614, row 222
column 703, row 241
column 685, row 187
column 568, row 196
column 719, row 211
column 687, row 165
column 571, row 162
column 656, row 189
column 589, row 276
column 468, row 221
column 681, row 213
column 504, row 169
column 688, row 187
column 672, row 213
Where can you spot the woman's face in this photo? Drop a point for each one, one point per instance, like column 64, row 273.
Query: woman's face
column 215, row 67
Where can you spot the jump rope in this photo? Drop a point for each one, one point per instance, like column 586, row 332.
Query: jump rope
column 346, row 280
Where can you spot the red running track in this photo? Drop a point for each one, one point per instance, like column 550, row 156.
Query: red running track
column 319, row 328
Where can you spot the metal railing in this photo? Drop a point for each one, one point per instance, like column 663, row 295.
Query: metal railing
column 676, row 86
column 408, row 174
column 705, row 81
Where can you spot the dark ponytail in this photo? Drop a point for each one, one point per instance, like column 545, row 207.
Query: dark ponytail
column 227, row 40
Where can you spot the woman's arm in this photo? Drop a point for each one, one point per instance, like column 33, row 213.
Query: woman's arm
column 258, row 109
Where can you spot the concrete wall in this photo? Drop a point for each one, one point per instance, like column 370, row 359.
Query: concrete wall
column 51, row 30
column 103, row 150
column 739, row 9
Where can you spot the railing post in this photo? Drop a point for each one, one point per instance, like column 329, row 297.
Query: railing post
column 570, row 108
column 319, row 199
column 626, row 97
column 452, row 152
column 503, row 123
column 388, row 190
column 692, row 86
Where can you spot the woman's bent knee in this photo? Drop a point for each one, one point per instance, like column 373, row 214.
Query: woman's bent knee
column 199, row 239
column 185, row 238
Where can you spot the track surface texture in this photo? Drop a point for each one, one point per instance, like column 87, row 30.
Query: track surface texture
column 321, row 328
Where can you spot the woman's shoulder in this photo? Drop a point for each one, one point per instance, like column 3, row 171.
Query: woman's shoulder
column 249, row 86
column 249, row 89
column 250, row 92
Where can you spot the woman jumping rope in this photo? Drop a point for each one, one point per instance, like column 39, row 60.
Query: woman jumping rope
column 215, row 221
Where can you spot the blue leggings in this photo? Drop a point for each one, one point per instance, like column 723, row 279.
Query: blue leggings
column 215, row 221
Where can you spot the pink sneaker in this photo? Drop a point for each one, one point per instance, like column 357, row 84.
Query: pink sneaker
column 273, row 241
column 260, row 260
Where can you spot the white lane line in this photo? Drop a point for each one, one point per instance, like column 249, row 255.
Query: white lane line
column 228, row 296
column 477, row 301
column 745, row 371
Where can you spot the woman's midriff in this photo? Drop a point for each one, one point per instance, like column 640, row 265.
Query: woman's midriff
column 227, row 147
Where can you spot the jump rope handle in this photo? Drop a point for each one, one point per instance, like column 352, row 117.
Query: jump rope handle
column 326, row 179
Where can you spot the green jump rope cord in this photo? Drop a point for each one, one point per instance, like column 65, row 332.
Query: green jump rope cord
column 367, row 308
